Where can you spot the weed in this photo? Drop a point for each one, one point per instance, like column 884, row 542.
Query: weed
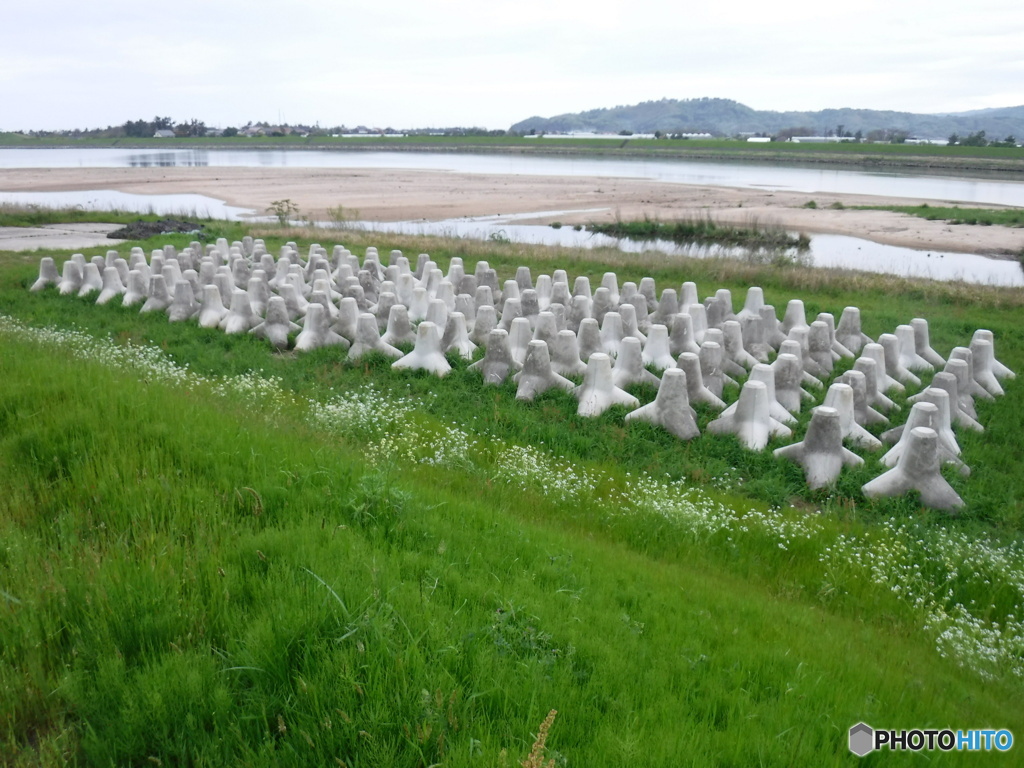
column 284, row 210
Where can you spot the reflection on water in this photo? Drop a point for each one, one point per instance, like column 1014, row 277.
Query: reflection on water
column 167, row 159
column 978, row 189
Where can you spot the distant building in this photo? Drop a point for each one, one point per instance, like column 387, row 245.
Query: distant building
column 759, row 139
column 163, row 134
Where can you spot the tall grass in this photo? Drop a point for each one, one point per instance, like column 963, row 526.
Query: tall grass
column 193, row 574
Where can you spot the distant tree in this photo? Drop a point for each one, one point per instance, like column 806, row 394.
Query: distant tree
column 230, row 132
column 858, row 136
column 1009, row 141
column 192, row 128
column 953, row 140
column 975, row 140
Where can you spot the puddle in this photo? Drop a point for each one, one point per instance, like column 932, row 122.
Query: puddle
column 184, row 206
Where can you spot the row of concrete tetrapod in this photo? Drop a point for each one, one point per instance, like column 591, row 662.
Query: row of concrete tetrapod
column 544, row 334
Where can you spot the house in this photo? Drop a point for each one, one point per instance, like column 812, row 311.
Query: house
column 163, row 133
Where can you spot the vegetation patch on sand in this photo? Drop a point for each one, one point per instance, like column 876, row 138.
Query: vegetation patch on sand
column 706, row 231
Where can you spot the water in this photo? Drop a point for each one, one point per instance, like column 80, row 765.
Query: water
column 955, row 189
column 182, row 205
column 826, row 250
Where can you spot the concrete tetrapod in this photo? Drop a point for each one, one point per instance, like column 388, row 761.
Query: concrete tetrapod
column 629, row 366
column 942, row 425
column 875, row 351
column 456, row 338
column 690, row 364
column 71, row 278
column 275, row 328
column 497, row 362
column 819, row 347
column 368, row 339
column 840, row 397
column 565, row 355
column 240, row 317
column 537, row 376
column 793, row 347
column 317, row 331
column 681, row 338
column 1000, row 370
column 92, row 280
column 751, row 422
column 789, row 374
column 909, row 359
column 612, row 332
column 399, row 330
column 427, row 354
column 923, row 344
column 959, row 370
column 711, row 367
column 924, row 414
column 136, row 290
column 972, row 387
column 957, row 414
column 849, row 333
column 671, row 408
column 731, row 370
column 821, row 452
column 734, row 350
column 598, row 393
column 984, row 356
column 47, row 274
column 657, row 351
column 863, row 413
column 112, row 286
column 184, row 306
column 838, row 350
column 773, row 334
column 917, row 469
column 158, row 299
column 876, row 398
column 763, row 372
column 893, row 363
column 519, row 336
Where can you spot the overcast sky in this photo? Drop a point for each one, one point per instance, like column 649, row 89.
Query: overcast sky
column 490, row 63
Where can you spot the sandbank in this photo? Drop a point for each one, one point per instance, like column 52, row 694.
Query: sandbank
column 382, row 194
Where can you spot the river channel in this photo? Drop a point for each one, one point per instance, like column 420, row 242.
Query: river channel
column 826, row 250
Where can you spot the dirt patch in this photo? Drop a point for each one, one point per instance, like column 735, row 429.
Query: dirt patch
column 143, row 230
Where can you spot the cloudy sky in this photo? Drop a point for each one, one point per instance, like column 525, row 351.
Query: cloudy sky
column 490, row 63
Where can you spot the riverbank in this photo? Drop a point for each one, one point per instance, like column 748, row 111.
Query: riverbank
column 382, row 194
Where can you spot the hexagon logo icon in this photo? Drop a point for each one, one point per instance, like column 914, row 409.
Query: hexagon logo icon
column 862, row 739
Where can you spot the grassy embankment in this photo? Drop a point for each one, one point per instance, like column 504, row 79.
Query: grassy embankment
column 222, row 570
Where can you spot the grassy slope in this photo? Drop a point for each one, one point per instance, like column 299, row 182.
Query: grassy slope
column 187, row 583
column 677, row 645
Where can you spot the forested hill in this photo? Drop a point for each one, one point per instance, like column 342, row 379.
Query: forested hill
column 724, row 117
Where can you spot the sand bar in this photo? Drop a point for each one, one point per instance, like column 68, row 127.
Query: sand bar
column 381, row 194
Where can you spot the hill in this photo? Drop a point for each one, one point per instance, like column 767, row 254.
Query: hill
column 724, row 117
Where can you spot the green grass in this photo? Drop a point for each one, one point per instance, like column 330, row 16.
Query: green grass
column 200, row 573
column 1003, row 217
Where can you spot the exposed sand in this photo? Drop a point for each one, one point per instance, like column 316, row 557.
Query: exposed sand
column 400, row 194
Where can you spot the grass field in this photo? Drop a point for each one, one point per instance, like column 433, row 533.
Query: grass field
column 214, row 554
